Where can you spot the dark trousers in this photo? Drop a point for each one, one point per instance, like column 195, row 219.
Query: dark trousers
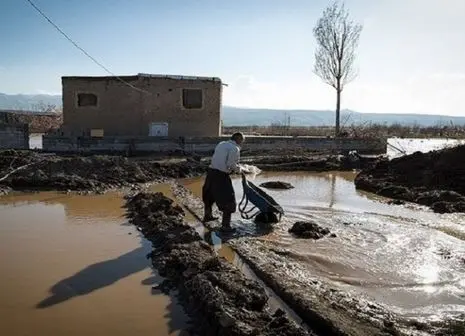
column 218, row 189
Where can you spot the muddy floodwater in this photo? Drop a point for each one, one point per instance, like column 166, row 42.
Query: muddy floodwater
column 404, row 257
column 70, row 266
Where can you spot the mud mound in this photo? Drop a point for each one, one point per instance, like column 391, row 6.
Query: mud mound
column 309, row 230
column 266, row 219
column 216, row 294
column 435, row 179
column 95, row 173
column 276, row 185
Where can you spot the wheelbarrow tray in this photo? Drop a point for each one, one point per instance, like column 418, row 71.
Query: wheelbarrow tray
column 258, row 197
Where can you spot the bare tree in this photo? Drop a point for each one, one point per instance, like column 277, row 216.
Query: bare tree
column 45, row 108
column 337, row 39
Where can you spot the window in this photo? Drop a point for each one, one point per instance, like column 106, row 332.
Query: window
column 86, row 99
column 192, row 98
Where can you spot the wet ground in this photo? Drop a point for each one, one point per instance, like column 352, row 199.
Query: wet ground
column 73, row 267
column 406, row 258
column 70, row 266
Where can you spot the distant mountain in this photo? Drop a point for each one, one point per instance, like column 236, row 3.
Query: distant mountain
column 28, row 102
column 235, row 116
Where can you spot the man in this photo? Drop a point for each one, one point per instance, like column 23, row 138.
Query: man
column 218, row 186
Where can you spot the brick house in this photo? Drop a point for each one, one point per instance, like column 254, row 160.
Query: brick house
column 151, row 105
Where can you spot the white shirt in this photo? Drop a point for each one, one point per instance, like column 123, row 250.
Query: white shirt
column 226, row 157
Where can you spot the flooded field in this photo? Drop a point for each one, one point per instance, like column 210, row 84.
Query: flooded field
column 398, row 147
column 406, row 258
column 70, row 266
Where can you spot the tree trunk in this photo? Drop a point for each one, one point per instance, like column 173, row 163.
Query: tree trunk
column 338, row 112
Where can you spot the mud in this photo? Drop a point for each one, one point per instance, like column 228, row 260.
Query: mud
column 326, row 310
column 435, row 179
column 220, row 299
column 310, row 230
column 31, row 171
column 277, row 185
column 307, row 276
column 25, row 170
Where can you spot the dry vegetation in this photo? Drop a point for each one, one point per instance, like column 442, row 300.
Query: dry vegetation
column 367, row 130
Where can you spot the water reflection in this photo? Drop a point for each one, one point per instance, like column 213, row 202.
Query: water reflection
column 390, row 254
column 97, row 276
column 73, row 259
column 79, row 208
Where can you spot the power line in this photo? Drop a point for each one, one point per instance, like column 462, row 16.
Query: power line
column 82, row 50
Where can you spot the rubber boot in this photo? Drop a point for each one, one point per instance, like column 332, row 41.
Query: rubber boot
column 226, row 222
column 208, row 214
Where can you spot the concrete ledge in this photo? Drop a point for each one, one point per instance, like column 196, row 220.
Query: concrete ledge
column 55, row 143
column 14, row 136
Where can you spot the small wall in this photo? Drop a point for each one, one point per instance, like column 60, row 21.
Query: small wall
column 206, row 145
column 14, row 136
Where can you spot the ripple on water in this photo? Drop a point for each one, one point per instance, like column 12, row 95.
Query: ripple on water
column 405, row 257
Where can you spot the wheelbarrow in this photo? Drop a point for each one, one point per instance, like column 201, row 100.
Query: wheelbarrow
column 261, row 202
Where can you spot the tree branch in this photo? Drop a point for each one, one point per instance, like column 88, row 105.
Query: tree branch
column 18, row 169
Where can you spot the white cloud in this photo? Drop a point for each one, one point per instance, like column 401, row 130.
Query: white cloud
column 247, row 91
column 438, row 93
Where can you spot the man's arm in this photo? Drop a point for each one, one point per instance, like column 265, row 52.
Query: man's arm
column 232, row 161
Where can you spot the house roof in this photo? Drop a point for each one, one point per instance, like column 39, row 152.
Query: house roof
column 144, row 75
column 213, row 79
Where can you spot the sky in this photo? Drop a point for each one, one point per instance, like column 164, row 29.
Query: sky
column 410, row 58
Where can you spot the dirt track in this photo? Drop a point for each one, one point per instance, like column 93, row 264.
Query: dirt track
column 217, row 295
column 435, row 179
column 324, row 310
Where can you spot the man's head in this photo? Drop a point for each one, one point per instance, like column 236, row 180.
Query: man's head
column 238, row 138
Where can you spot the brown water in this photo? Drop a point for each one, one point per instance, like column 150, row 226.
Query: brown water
column 406, row 258
column 71, row 266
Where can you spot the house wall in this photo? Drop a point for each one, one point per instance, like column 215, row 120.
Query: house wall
column 14, row 136
column 123, row 111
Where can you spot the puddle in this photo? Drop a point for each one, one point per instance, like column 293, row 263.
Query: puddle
column 70, row 266
column 406, row 258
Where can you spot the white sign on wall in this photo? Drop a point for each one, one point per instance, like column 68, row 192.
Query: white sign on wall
column 158, row 129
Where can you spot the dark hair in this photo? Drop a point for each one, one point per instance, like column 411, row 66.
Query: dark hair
column 237, row 135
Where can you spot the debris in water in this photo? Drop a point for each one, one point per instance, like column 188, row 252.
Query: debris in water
column 309, row 230
column 266, row 218
column 277, row 185
column 396, row 202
